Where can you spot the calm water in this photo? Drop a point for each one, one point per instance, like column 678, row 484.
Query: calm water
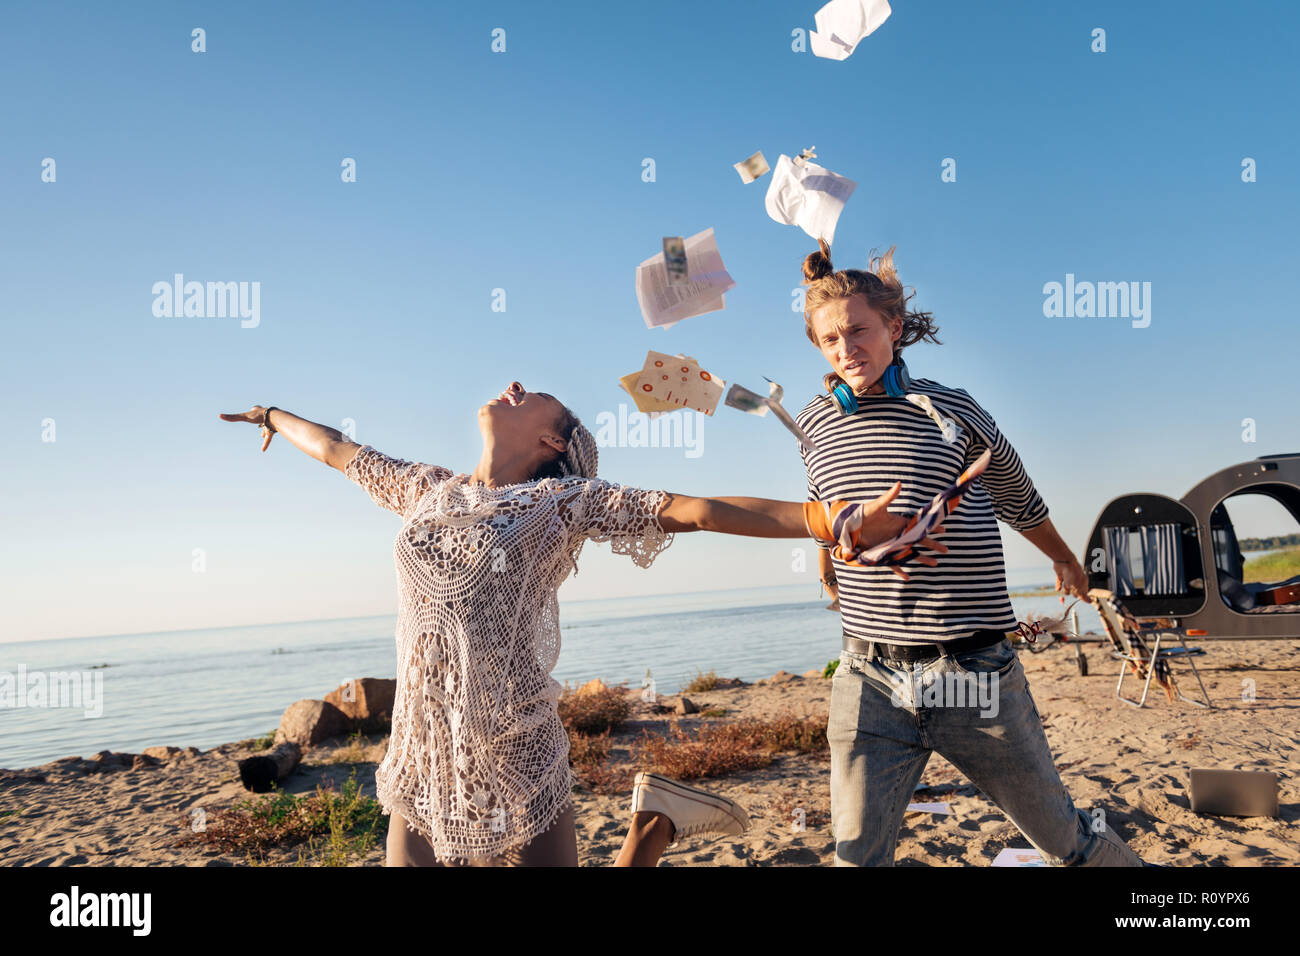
column 203, row 688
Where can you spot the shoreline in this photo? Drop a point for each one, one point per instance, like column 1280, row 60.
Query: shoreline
column 1132, row 763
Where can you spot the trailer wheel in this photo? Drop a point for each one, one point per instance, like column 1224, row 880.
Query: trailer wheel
column 1083, row 665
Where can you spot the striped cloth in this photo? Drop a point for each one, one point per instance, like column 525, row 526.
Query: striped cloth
column 1162, row 559
column 1118, row 564
column 888, row 440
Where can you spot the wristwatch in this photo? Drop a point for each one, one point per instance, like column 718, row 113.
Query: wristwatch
column 266, row 418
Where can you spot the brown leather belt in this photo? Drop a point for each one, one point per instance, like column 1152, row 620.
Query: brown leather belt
column 908, row 653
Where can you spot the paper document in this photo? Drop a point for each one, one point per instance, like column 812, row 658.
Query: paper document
column 928, row 808
column 755, row 404
column 1014, row 856
column 752, row 168
column 842, row 25
column 664, row 303
column 672, row 382
column 808, row 196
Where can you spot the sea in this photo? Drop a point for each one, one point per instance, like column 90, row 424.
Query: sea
column 202, row 688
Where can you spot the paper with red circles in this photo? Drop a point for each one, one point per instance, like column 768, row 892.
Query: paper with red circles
column 678, row 382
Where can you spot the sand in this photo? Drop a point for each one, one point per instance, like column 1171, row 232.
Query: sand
column 1134, row 763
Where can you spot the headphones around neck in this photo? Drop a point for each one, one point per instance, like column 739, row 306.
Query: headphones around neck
column 895, row 380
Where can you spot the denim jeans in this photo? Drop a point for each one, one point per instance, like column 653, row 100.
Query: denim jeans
column 975, row 709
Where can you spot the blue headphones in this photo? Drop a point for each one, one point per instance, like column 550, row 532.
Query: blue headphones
column 896, row 382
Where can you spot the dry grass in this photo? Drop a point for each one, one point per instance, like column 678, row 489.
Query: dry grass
column 358, row 749
column 722, row 749
column 701, row 683
column 594, row 711
column 335, row 826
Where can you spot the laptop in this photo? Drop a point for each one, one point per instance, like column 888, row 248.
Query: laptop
column 1234, row 793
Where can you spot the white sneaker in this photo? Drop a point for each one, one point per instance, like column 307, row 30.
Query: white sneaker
column 691, row 811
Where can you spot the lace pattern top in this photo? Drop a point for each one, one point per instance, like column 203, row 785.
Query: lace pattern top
column 477, row 759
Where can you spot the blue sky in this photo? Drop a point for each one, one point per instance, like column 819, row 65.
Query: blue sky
column 522, row 171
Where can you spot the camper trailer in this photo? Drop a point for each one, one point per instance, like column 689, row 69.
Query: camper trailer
column 1162, row 570
column 1177, row 563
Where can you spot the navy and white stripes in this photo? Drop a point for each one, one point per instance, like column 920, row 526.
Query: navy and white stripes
column 1162, row 559
column 888, row 440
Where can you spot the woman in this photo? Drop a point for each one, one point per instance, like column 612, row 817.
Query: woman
column 476, row 769
column 946, row 628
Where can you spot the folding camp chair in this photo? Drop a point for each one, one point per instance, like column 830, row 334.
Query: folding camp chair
column 1129, row 646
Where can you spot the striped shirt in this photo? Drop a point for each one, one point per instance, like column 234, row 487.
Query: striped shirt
column 888, row 440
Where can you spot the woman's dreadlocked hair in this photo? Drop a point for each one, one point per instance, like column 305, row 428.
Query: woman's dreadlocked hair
column 580, row 455
column 879, row 284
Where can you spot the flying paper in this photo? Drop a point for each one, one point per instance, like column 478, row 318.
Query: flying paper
column 899, row 549
column 672, row 382
column 843, row 24
column 808, row 196
column 753, row 167
column 675, row 259
column 664, row 303
column 650, row 406
column 755, row 404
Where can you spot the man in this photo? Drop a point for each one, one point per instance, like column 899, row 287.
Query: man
column 927, row 664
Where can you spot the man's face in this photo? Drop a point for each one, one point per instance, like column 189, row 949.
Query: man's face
column 856, row 340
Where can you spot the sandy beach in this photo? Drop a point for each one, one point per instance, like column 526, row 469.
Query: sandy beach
column 131, row 810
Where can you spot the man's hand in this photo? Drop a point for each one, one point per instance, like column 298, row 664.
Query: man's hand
column 1072, row 579
column 854, row 526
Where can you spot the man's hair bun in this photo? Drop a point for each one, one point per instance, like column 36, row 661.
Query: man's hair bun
column 818, row 264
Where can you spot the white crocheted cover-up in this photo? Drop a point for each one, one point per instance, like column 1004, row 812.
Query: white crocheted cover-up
column 477, row 759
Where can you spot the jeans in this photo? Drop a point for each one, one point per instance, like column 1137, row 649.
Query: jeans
column 975, row 709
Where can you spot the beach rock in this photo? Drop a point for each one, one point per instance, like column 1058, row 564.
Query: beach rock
column 308, row 722
column 367, row 702
column 812, row 673
column 781, row 677
column 108, row 761
column 74, row 765
column 144, row 760
column 686, row 706
column 21, row 776
column 162, row 753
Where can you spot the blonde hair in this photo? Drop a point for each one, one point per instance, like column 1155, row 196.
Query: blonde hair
column 879, row 284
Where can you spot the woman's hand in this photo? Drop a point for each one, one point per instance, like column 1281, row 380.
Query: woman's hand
column 254, row 416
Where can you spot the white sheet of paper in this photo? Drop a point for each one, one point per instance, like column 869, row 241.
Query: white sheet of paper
column 808, row 196
column 842, row 25
column 752, row 168
column 929, row 807
column 1015, row 856
column 664, row 303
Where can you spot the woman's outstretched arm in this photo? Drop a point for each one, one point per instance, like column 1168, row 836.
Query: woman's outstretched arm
column 323, row 443
column 768, row 518
column 753, row 517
